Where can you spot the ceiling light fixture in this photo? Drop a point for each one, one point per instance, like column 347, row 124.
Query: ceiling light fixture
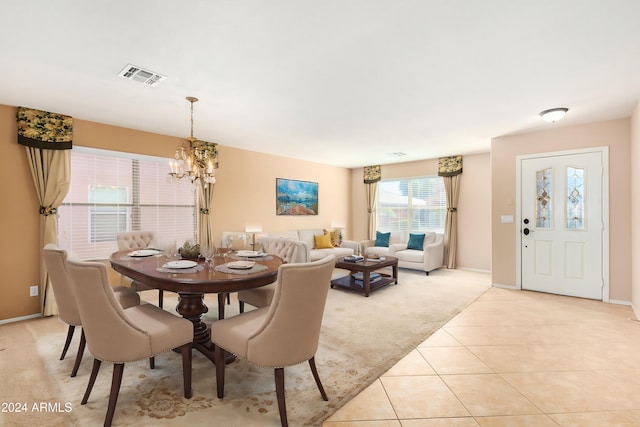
column 194, row 159
column 554, row 114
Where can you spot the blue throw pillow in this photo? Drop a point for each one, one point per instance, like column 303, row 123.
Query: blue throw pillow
column 382, row 239
column 415, row 241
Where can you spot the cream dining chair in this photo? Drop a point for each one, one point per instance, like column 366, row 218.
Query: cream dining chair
column 134, row 240
column 55, row 259
column 290, row 250
column 283, row 334
column 118, row 335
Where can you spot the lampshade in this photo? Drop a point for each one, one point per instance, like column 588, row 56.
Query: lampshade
column 554, row 114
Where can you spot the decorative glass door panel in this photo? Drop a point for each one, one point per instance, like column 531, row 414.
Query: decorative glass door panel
column 575, row 198
column 544, row 198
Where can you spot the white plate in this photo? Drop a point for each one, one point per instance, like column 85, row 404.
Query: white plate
column 250, row 254
column 241, row 265
column 180, row 264
column 144, row 252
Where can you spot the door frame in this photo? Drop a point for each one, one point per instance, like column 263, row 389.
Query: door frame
column 605, row 210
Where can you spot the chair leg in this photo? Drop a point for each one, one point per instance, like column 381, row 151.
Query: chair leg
column 186, row 369
column 152, row 363
column 76, row 365
column 220, row 365
column 116, row 380
column 228, row 298
column 314, row 371
column 160, row 297
column 282, row 407
column 92, row 380
column 68, row 341
column 241, row 306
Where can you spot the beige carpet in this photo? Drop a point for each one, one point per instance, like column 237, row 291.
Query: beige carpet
column 361, row 339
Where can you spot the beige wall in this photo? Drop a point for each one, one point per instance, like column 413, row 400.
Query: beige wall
column 244, row 194
column 19, row 224
column 616, row 135
column 635, row 209
column 474, row 232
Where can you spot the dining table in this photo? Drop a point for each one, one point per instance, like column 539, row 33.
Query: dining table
column 192, row 279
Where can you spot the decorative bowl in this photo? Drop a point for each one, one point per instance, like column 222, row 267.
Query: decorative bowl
column 187, row 251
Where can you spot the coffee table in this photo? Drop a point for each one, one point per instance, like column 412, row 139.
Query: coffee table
column 366, row 267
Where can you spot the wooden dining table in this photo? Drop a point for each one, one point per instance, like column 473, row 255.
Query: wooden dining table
column 191, row 286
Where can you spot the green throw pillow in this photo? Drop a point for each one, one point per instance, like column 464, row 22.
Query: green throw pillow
column 382, row 239
column 415, row 241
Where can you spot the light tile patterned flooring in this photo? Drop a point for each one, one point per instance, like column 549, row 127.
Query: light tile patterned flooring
column 512, row 359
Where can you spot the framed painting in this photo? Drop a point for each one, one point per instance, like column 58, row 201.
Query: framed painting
column 296, row 197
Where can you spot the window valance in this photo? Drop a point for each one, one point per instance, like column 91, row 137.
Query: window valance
column 44, row 130
column 372, row 174
column 450, row 166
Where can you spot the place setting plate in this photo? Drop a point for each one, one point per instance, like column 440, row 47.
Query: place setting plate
column 250, row 254
column 181, row 264
column 144, row 253
column 240, row 265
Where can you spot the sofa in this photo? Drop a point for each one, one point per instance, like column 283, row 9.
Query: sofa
column 428, row 258
column 313, row 238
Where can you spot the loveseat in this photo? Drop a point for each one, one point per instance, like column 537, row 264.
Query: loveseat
column 425, row 255
column 314, row 239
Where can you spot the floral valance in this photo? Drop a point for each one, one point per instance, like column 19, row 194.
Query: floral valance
column 450, row 166
column 45, row 130
column 372, row 174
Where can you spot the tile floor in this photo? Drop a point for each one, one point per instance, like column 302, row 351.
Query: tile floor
column 511, row 359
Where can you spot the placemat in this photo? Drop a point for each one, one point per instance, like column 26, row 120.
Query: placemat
column 256, row 268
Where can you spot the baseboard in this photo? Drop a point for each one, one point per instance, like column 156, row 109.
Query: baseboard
column 615, row 301
column 477, row 270
column 498, row 285
column 18, row 319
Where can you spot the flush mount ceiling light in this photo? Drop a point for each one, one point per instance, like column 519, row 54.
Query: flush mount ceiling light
column 554, row 114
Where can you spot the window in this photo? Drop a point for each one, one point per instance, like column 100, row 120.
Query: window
column 108, row 212
column 411, row 205
column 112, row 192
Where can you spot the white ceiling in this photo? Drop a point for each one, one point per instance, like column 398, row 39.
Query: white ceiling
column 341, row 82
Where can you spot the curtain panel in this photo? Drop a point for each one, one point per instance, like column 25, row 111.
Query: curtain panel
column 47, row 138
column 372, row 175
column 450, row 168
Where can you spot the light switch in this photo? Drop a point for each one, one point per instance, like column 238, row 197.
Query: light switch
column 506, row 219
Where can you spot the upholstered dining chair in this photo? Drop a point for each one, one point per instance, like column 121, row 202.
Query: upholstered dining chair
column 283, row 334
column 118, row 335
column 134, row 240
column 290, row 250
column 55, row 259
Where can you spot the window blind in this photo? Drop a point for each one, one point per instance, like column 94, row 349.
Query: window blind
column 112, row 192
column 411, row 205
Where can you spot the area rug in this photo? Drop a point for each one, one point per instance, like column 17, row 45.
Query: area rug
column 361, row 339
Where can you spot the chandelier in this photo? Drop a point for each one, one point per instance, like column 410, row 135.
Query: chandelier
column 194, row 159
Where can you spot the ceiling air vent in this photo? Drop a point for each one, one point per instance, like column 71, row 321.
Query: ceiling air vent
column 137, row 74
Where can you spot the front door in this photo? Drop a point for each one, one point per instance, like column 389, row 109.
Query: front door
column 562, row 224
